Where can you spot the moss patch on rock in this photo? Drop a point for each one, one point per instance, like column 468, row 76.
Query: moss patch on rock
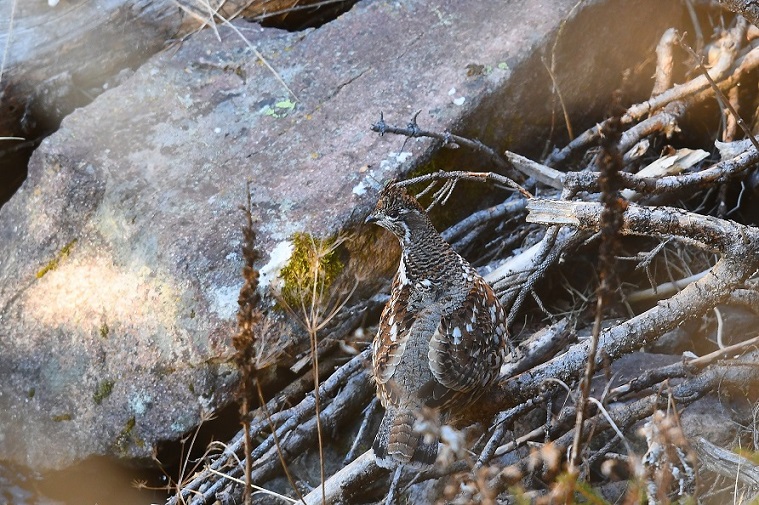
column 103, row 391
column 53, row 263
column 313, row 267
column 125, row 437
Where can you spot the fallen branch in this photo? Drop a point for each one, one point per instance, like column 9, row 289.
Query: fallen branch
column 726, row 463
column 739, row 245
column 334, row 390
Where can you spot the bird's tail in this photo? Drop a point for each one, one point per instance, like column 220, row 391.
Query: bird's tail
column 397, row 442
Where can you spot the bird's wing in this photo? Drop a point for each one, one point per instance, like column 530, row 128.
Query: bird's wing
column 392, row 335
column 467, row 350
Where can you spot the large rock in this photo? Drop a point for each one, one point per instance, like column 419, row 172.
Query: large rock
column 121, row 252
column 56, row 54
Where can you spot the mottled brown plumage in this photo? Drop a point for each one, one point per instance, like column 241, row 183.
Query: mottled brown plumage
column 441, row 338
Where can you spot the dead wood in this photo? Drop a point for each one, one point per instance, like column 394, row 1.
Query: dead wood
column 727, row 463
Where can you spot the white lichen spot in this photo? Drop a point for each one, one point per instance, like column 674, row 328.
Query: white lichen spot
column 459, row 101
column 139, row 403
column 52, row 3
column 359, row 189
column 402, row 157
column 269, row 273
column 374, row 181
column 207, row 403
column 224, row 301
column 394, row 159
column 451, row 91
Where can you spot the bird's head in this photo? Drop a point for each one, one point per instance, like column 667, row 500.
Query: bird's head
column 399, row 212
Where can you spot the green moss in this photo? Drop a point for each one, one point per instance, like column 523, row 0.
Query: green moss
column 313, row 267
column 103, row 391
column 62, row 417
column 53, row 263
column 30, row 394
column 280, row 109
column 129, row 426
column 104, row 330
column 125, row 437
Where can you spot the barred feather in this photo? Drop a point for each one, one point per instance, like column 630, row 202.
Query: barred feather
column 441, row 337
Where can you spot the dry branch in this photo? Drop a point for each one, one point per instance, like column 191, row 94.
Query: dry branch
column 694, row 91
column 739, row 245
column 623, row 415
column 727, row 463
column 665, row 61
column 345, row 390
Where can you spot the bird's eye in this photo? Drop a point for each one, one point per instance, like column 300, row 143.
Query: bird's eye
column 392, row 213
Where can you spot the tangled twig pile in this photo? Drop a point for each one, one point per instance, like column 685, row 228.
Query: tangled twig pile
column 671, row 210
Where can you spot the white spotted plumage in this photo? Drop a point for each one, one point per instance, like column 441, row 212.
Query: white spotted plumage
column 441, row 337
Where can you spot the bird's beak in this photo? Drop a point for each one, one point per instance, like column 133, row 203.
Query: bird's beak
column 371, row 218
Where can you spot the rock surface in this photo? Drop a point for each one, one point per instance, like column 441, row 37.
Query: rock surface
column 57, row 54
column 121, row 252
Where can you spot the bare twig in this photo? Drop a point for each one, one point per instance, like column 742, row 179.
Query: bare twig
column 665, row 61
column 538, row 348
column 729, row 46
column 412, row 130
column 695, row 88
column 280, row 454
column 721, row 95
column 663, row 290
column 442, row 175
column 541, row 173
column 718, row 173
column 362, row 468
column 552, row 68
column 510, row 207
column 730, row 351
column 726, row 462
column 253, row 486
column 624, row 415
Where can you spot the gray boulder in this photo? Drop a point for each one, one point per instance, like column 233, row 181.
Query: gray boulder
column 121, row 252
